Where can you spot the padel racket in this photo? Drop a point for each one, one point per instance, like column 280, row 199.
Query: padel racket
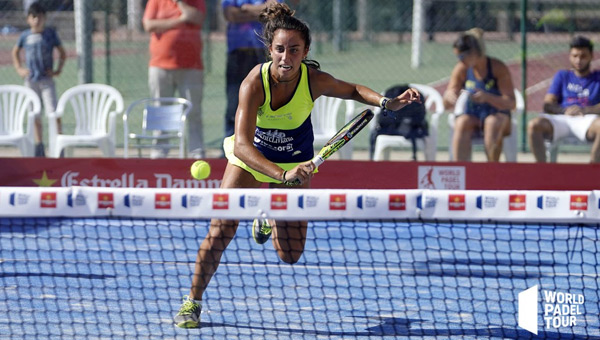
column 341, row 138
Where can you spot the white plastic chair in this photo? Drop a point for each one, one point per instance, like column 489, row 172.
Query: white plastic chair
column 18, row 107
column 552, row 147
column 95, row 107
column 510, row 144
column 383, row 143
column 166, row 114
column 324, row 121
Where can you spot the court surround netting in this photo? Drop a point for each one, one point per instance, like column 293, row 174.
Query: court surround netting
column 114, row 263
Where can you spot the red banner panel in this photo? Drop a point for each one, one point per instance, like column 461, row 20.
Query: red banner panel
column 335, row 174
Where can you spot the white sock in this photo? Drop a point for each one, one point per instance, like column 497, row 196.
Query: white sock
column 199, row 302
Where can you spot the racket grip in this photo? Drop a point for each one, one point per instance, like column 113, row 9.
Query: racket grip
column 317, row 160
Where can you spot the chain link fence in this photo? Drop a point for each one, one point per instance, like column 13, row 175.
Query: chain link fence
column 363, row 41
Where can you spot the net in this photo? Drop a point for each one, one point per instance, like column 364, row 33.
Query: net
column 115, row 263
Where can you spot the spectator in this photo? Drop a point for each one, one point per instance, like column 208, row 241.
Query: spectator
column 39, row 43
column 176, row 60
column 491, row 97
column 572, row 104
column 244, row 49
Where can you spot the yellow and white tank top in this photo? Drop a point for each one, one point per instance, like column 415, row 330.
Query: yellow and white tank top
column 285, row 135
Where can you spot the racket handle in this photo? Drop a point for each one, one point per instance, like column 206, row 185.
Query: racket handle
column 317, row 160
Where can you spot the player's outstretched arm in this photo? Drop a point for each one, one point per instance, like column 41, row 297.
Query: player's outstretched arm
column 325, row 84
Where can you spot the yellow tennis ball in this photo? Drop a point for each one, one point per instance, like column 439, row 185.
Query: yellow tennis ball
column 200, row 170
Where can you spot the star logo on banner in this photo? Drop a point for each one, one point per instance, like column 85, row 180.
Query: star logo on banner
column 44, row 181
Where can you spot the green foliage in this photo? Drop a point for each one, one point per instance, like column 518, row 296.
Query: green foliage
column 555, row 17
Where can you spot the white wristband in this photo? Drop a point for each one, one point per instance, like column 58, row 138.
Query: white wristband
column 383, row 102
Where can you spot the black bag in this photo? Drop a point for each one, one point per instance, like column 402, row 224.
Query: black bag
column 408, row 122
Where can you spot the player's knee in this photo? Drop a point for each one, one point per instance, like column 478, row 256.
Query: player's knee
column 461, row 123
column 532, row 126
column 222, row 232
column 290, row 260
column 536, row 126
column 290, row 257
column 594, row 128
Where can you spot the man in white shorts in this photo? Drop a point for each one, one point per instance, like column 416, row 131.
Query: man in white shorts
column 572, row 104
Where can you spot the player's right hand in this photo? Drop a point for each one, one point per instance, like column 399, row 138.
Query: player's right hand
column 574, row 110
column 23, row 72
column 303, row 172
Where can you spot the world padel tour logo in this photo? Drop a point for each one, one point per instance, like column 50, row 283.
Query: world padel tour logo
column 365, row 202
column 337, row 202
column 278, row 201
column 548, row 202
column 189, row 201
column 162, row 201
column 18, row 199
column 249, row 201
column 131, row 200
column 456, row 202
column 516, row 202
column 76, row 200
column 220, row 201
column 486, row 202
column 560, row 309
column 48, row 200
column 397, row 202
column 308, row 201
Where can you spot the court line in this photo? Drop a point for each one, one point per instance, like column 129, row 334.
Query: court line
column 478, row 272
column 360, row 269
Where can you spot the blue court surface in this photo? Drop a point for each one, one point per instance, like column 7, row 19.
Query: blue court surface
column 124, row 279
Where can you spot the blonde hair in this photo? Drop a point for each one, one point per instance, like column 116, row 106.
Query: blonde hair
column 471, row 40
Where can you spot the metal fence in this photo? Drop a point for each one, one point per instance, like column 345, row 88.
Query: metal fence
column 364, row 41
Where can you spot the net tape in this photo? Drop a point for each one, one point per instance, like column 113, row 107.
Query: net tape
column 302, row 204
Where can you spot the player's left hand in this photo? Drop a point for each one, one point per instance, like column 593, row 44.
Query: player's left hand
column 479, row 96
column 407, row 97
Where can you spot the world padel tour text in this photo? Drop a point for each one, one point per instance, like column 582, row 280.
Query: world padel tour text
column 561, row 309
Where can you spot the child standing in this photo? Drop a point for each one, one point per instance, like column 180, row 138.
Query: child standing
column 39, row 43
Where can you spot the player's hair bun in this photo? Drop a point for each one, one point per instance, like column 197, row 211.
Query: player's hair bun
column 275, row 11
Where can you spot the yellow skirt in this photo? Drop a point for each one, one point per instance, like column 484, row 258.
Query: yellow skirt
column 228, row 148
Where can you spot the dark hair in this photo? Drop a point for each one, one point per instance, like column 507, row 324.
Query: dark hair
column 280, row 16
column 579, row 41
column 471, row 40
column 36, row 9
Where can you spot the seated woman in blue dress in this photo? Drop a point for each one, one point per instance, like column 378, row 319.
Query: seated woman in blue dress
column 491, row 98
